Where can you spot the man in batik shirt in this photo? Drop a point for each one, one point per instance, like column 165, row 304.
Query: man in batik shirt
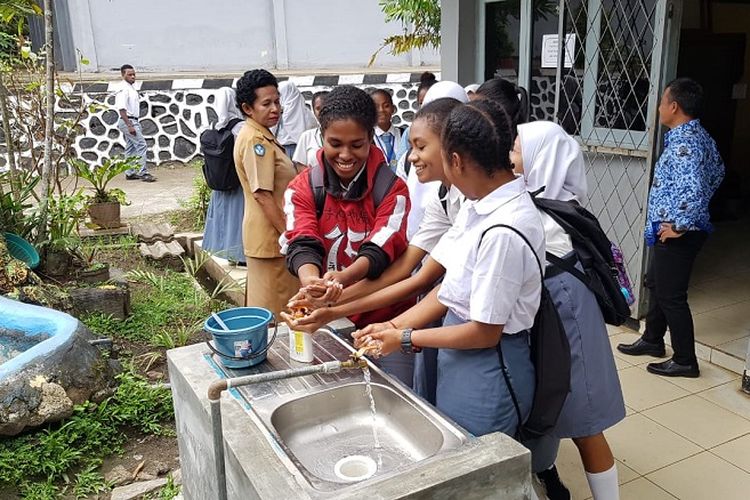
column 686, row 177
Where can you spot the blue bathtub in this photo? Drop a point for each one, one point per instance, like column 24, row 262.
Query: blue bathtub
column 33, row 321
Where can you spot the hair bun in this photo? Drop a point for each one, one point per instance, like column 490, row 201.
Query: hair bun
column 427, row 78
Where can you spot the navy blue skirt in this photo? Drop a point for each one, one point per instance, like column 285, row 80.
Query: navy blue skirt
column 595, row 400
column 471, row 388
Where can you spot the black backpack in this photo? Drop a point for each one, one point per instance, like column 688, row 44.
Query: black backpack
column 594, row 251
column 217, row 147
column 384, row 181
column 550, row 355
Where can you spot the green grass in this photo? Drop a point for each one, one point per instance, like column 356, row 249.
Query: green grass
column 42, row 463
column 166, row 302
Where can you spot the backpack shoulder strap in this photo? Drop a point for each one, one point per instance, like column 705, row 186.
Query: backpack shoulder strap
column 523, row 237
column 443, row 197
column 382, row 184
column 315, row 175
column 230, row 125
column 407, row 163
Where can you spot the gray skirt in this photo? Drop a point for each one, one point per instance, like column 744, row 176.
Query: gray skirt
column 222, row 235
column 595, row 400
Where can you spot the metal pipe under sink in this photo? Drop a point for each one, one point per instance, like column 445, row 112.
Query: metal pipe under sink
column 219, row 386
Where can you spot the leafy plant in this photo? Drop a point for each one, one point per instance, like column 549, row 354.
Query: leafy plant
column 16, row 215
column 64, row 215
column 421, row 25
column 99, row 177
column 168, row 492
column 197, row 204
column 36, row 461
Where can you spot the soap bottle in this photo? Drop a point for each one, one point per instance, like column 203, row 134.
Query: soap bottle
column 300, row 346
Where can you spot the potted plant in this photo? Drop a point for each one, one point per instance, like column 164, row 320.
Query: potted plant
column 104, row 204
column 91, row 271
column 64, row 215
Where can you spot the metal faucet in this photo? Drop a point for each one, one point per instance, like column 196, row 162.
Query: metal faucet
column 355, row 362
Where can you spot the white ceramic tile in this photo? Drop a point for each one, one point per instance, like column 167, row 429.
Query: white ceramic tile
column 730, row 397
column 643, row 390
column 643, row 489
column 704, row 476
column 351, row 79
column 711, row 376
column 398, row 77
column 700, row 421
column 645, row 446
column 187, row 83
column 736, row 452
column 727, row 362
column 736, row 348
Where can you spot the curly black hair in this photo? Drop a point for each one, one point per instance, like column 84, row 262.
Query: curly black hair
column 436, row 112
column 348, row 103
column 250, row 82
column 482, row 131
column 513, row 99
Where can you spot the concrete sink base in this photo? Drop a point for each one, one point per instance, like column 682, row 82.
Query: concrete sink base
column 257, row 466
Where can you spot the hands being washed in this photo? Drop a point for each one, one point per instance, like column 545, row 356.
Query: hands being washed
column 319, row 292
column 382, row 338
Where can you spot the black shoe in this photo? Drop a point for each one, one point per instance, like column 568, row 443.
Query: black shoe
column 669, row 368
column 133, row 177
column 553, row 486
column 746, row 382
column 640, row 347
column 148, row 178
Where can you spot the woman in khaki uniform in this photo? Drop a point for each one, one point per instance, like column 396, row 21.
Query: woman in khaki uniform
column 264, row 170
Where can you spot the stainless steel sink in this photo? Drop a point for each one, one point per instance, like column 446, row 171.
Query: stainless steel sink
column 323, row 423
column 331, row 426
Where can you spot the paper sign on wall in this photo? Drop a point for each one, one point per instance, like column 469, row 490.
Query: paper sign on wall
column 551, row 49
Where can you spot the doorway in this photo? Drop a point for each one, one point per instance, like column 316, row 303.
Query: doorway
column 713, row 50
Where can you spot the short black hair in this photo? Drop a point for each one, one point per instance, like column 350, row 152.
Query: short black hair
column 436, row 112
column 482, row 131
column 125, row 67
column 318, row 95
column 513, row 99
column 688, row 94
column 250, row 82
column 348, row 103
column 384, row 93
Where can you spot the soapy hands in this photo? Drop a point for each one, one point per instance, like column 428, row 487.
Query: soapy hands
column 384, row 338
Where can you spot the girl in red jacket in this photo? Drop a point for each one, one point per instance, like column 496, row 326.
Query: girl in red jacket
column 346, row 217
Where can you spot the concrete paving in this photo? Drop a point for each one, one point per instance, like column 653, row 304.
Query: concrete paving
column 174, row 184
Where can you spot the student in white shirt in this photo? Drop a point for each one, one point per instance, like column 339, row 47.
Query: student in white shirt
column 550, row 159
column 127, row 104
column 306, row 153
column 370, row 295
column 386, row 136
column 421, row 193
column 296, row 117
column 492, row 285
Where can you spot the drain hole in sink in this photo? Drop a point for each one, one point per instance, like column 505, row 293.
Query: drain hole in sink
column 355, row 468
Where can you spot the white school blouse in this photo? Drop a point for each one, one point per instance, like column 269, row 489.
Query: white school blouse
column 308, row 145
column 497, row 283
column 396, row 133
column 420, row 195
column 436, row 222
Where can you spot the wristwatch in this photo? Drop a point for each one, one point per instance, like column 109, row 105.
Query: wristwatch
column 406, row 346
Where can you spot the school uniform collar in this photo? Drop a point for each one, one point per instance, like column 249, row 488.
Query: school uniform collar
column 500, row 196
column 379, row 131
column 264, row 131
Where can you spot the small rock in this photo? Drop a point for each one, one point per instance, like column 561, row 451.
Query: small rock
column 137, row 490
column 177, row 476
column 145, row 476
column 156, row 469
column 118, row 476
column 155, row 375
column 138, row 457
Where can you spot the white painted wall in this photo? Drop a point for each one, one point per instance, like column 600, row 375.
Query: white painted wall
column 234, row 35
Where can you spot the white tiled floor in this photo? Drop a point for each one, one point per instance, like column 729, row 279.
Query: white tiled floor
column 682, row 438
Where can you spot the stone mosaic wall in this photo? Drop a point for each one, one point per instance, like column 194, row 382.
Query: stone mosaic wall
column 173, row 114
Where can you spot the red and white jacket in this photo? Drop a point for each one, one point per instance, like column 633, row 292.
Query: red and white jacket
column 350, row 224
